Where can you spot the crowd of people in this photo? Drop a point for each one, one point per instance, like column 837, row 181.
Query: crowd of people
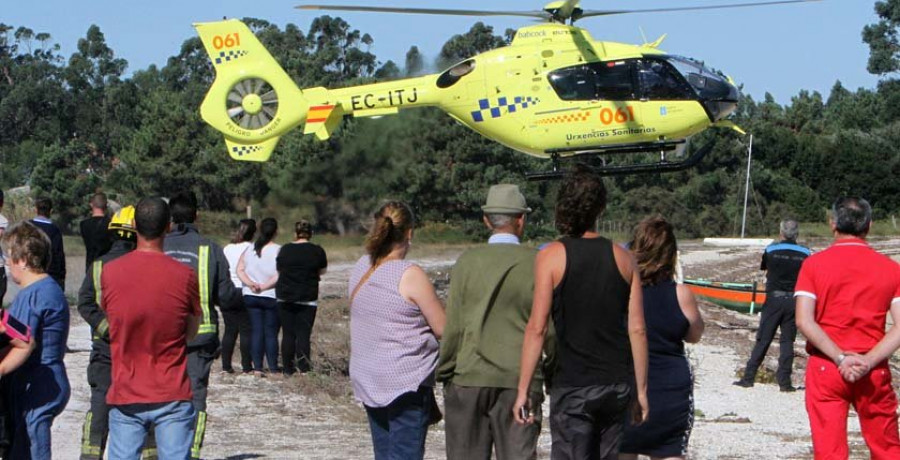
column 597, row 326
column 152, row 291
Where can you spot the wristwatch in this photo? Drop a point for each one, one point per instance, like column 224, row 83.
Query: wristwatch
column 840, row 358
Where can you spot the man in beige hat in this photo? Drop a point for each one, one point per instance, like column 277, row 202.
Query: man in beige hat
column 487, row 309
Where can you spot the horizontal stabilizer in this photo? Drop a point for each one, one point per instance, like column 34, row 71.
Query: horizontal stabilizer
column 251, row 152
column 324, row 115
column 730, row 125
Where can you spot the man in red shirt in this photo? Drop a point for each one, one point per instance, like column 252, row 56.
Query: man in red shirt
column 843, row 296
column 153, row 307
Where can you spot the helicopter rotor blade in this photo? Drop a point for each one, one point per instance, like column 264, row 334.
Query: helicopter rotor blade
column 592, row 13
column 447, row 12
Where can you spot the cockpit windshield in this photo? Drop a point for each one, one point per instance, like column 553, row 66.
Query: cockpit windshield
column 710, row 85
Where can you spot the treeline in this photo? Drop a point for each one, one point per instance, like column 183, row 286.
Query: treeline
column 70, row 126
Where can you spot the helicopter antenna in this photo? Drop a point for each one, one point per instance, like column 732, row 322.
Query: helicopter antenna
column 643, row 35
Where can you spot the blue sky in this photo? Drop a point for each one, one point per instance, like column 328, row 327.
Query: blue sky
column 779, row 49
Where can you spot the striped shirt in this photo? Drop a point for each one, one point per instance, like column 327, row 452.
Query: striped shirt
column 392, row 348
column 503, row 238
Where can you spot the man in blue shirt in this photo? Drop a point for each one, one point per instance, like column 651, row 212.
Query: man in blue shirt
column 782, row 263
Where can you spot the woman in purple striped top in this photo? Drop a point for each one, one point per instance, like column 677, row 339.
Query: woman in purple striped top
column 396, row 320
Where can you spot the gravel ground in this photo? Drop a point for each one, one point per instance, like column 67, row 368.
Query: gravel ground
column 315, row 417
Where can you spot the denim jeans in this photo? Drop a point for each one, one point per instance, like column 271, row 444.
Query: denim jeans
column 263, row 331
column 399, row 429
column 173, row 423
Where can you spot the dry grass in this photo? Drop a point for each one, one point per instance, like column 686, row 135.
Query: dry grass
column 330, row 374
column 764, row 375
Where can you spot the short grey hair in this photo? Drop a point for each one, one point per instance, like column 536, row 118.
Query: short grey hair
column 501, row 220
column 852, row 215
column 790, row 229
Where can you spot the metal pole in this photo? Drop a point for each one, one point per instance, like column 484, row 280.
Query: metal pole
column 753, row 299
column 747, row 187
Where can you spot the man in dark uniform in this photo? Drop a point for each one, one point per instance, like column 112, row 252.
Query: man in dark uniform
column 97, row 240
column 96, row 421
column 782, row 263
column 206, row 258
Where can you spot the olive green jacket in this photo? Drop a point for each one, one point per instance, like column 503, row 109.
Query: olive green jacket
column 491, row 290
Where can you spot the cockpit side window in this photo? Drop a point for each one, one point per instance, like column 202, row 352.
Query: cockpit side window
column 660, row 82
column 615, row 80
column 706, row 83
column 595, row 81
column 574, row 83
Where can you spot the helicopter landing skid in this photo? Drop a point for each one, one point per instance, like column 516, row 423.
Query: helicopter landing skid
column 663, row 165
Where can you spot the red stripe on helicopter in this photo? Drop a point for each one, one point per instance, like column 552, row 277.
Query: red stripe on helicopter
column 319, row 113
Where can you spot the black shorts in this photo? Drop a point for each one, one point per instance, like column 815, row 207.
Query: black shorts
column 588, row 422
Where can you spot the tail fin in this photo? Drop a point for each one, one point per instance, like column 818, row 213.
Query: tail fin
column 253, row 101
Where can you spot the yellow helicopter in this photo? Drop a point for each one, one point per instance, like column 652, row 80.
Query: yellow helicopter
column 553, row 92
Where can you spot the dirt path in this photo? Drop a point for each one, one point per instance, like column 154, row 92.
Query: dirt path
column 315, row 416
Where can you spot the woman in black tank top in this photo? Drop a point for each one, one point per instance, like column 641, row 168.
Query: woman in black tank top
column 593, row 290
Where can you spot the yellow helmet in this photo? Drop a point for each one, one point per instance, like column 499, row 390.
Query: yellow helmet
column 122, row 224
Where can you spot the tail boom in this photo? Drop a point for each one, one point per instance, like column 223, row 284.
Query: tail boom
column 253, row 102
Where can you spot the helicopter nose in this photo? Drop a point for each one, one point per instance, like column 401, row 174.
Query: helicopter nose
column 721, row 109
column 724, row 103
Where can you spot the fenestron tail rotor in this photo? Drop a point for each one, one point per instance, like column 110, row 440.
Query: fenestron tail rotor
column 244, row 102
column 252, row 103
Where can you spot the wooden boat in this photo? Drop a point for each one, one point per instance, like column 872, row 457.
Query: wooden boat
column 741, row 297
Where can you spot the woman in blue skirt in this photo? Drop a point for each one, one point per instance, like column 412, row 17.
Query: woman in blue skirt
column 672, row 318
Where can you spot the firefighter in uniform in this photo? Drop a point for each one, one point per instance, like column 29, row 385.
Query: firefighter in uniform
column 96, row 422
column 185, row 244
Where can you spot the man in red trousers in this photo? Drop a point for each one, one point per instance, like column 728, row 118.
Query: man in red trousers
column 843, row 296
